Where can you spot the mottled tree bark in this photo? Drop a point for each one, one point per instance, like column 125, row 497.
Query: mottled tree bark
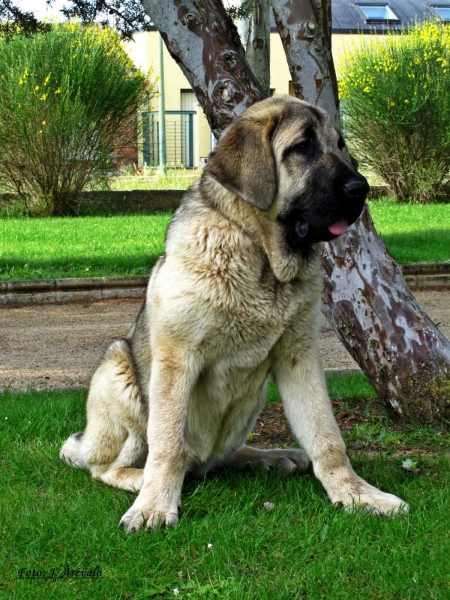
column 258, row 43
column 372, row 310
column 366, row 298
column 305, row 30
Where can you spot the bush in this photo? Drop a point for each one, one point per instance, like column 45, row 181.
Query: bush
column 396, row 109
column 67, row 99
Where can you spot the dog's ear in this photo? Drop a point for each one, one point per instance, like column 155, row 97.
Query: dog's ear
column 243, row 160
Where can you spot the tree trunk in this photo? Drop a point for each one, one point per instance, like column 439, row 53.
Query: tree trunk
column 258, row 43
column 305, row 30
column 366, row 298
column 372, row 310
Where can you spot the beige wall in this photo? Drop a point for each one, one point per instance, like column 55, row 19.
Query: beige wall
column 144, row 52
column 279, row 70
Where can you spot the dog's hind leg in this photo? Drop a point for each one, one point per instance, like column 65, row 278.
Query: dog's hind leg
column 117, row 475
column 120, row 473
column 71, row 451
column 114, row 444
column 288, row 461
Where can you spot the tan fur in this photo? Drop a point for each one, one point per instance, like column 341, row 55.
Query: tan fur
column 227, row 306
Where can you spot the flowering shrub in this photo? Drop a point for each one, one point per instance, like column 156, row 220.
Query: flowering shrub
column 66, row 97
column 396, row 109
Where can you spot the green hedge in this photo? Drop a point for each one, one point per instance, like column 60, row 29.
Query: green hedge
column 67, row 96
column 396, row 109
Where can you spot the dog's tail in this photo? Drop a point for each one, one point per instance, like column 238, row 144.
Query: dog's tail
column 71, row 451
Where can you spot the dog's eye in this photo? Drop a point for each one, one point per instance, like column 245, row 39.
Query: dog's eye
column 302, row 146
column 298, row 148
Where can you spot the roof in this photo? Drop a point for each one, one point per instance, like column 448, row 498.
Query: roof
column 348, row 16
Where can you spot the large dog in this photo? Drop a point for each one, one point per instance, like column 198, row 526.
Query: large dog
column 234, row 299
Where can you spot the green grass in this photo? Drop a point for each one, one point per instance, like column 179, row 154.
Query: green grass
column 349, row 385
column 340, row 387
column 413, row 232
column 47, row 248
column 57, row 517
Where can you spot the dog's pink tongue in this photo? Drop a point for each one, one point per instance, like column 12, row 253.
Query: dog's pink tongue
column 339, row 228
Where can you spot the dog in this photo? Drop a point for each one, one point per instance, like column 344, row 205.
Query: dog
column 234, row 300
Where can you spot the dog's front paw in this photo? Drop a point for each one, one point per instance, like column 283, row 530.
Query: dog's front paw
column 144, row 511
column 370, row 499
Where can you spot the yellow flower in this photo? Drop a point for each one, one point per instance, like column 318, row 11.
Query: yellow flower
column 36, row 88
column 47, row 79
column 44, row 122
column 58, row 91
column 43, row 97
column 366, row 89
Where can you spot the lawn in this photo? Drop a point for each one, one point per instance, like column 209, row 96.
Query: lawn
column 50, row 248
column 57, row 521
column 413, row 232
column 47, row 248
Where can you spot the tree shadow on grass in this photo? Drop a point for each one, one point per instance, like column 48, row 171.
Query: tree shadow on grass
column 89, row 266
column 432, row 245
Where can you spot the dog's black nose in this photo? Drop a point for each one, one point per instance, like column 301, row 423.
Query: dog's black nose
column 356, row 188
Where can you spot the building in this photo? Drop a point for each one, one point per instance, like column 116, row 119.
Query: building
column 188, row 134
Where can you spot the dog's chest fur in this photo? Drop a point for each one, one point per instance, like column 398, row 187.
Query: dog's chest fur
column 216, row 293
column 218, row 288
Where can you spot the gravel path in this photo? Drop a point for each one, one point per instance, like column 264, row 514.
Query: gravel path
column 58, row 346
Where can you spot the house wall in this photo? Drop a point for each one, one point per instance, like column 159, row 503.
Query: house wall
column 144, row 52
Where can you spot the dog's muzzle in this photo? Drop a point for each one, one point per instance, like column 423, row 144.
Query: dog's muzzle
column 328, row 219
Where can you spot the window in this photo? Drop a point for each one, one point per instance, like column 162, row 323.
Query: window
column 188, row 101
column 374, row 13
column 185, row 130
column 443, row 12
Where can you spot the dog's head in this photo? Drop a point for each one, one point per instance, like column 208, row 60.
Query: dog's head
column 288, row 153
